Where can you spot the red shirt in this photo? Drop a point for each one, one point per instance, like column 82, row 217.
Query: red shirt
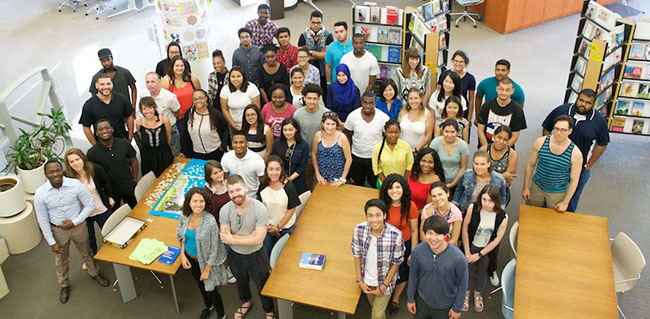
column 289, row 58
column 395, row 218
column 273, row 119
column 419, row 192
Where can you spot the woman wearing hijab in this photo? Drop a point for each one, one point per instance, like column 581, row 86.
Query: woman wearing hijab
column 342, row 95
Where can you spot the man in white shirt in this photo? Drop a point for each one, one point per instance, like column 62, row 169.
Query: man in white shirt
column 167, row 105
column 362, row 64
column 363, row 128
column 243, row 162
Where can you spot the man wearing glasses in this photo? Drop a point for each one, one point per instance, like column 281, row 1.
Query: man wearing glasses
column 590, row 126
column 501, row 111
column 558, row 169
column 316, row 38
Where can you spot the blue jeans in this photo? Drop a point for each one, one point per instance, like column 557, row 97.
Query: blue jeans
column 270, row 240
column 584, row 177
column 90, row 224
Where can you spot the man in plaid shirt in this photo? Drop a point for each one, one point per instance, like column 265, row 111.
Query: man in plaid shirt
column 263, row 30
column 287, row 52
column 378, row 251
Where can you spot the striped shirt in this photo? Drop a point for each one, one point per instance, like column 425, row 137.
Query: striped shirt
column 553, row 171
column 390, row 250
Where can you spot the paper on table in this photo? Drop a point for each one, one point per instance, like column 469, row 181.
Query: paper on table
column 148, row 250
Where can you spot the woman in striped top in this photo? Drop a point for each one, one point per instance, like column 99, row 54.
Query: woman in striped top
column 558, row 168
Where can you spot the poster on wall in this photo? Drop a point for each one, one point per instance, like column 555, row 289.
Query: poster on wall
column 185, row 21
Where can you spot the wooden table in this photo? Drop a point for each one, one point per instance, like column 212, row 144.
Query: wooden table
column 160, row 228
column 325, row 227
column 564, row 266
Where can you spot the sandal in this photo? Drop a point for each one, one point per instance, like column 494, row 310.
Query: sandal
column 393, row 309
column 466, row 303
column 240, row 311
column 478, row 302
column 271, row 316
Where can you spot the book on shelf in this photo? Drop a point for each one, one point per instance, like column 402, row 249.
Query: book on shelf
column 607, row 79
column 576, row 83
column 394, row 36
column 633, row 71
column 393, row 15
column 312, row 261
column 601, row 15
column 427, row 12
column 588, row 30
column 362, row 14
column 418, row 29
column 442, row 23
column 375, row 14
column 637, row 126
column 637, row 108
column 394, row 54
column 444, row 5
column 379, row 34
column 443, row 41
column 583, row 50
column 613, row 58
column 637, row 51
column 375, row 50
column 622, row 107
column 382, row 35
column 385, row 71
column 618, row 124
column 581, row 66
column 436, row 7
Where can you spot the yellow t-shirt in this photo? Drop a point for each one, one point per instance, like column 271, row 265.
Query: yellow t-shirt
column 395, row 161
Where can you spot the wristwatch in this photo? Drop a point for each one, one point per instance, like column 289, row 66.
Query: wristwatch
column 311, row 52
column 343, row 180
column 480, row 254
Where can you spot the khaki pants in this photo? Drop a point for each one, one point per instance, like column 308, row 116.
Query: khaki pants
column 79, row 235
column 539, row 198
column 378, row 306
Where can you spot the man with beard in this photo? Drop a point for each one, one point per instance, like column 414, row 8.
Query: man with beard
column 62, row 219
column 244, row 162
column 118, row 158
column 243, row 228
column 364, row 127
column 121, row 77
column 105, row 104
column 589, row 126
column 263, row 30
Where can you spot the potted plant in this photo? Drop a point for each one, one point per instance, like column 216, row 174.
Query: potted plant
column 32, row 149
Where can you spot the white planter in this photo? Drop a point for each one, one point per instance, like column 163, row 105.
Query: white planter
column 13, row 200
column 32, row 179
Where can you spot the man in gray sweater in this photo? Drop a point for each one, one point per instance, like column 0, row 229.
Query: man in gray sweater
column 436, row 290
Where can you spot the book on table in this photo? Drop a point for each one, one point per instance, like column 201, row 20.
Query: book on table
column 312, row 261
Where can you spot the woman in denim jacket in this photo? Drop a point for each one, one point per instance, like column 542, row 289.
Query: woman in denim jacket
column 473, row 180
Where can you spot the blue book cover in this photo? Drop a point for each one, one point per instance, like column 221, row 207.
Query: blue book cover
column 394, row 54
column 169, row 257
column 312, row 261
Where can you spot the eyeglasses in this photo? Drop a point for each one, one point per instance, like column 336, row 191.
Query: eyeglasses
column 561, row 130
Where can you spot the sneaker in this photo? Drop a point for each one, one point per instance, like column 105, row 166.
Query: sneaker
column 223, row 317
column 231, row 277
column 494, row 279
column 206, row 313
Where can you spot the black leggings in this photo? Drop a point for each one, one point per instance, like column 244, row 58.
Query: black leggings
column 210, row 298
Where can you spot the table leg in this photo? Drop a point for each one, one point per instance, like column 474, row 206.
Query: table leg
column 341, row 315
column 284, row 309
column 125, row 281
column 131, row 7
column 171, row 279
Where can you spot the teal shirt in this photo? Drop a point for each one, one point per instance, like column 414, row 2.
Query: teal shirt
column 488, row 88
column 335, row 51
column 190, row 242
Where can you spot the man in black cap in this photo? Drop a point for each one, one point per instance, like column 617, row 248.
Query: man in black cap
column 122, row 78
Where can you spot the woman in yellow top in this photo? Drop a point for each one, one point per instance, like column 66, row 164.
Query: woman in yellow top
column 392, row 155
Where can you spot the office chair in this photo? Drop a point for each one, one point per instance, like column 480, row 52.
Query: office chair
column 466, row 14
column 628, row 264
column 508, row 283
column 100, row 7
column 144, row 184
column 277, row 249
column 304, row 197
column 513, row 237
column 114, row 220
column 72, row 4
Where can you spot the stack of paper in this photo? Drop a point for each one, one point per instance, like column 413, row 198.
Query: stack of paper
column 148, row 250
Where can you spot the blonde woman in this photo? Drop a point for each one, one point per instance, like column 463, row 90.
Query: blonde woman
column 416, row 121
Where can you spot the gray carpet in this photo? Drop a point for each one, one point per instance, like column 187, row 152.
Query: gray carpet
column 540, row 56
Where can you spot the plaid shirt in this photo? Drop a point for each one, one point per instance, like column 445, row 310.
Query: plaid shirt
column 262, row 34
column 312, row 76
column 289, row 58
column 390, row 250
column 213, row 84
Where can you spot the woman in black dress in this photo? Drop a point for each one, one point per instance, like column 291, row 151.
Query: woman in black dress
column 154, row 136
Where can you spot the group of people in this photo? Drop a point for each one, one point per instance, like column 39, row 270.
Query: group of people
column 286, row 117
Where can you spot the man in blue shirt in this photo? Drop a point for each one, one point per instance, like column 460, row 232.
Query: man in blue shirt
column 589, row 126
column 61, row 219
column 438, row 276
column 488, row 87
column 337, row 49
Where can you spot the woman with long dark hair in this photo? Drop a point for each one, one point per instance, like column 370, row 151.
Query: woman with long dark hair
column 154, row 134
column 173, row 49
column 452, row 110
column 279, row 196
column 453, row 152
column 427, row 169
column 450, row 87
column 459, row 61
column 403, row 214
column 207, row 130
column 258, row 134
column 202, row 252
column 295, row 153
column 483, row 229
column 388, row 101
column 239, row 94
